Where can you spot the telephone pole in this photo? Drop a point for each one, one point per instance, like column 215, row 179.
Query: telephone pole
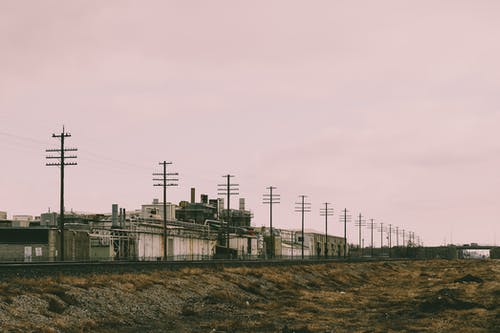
column 360, row 223
column 390, row 240
column 61, row 163
column 228, row 189
column 270, row 199
column 326, row 212
column 303, row 207
column 381, row 229
column 165, row 182
column 371, row 227
column 344, row 218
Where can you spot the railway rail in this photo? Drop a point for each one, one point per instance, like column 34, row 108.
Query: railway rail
column 18, row 269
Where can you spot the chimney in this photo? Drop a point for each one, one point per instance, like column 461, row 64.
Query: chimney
column 193, row 193
column 114, row 216
column 242, row 203
column 124, row 217
column 204, row 199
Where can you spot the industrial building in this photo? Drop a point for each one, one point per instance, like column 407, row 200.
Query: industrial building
column 194, row 231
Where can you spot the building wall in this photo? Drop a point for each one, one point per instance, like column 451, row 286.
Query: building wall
column 157, row 208
column 3, row 215
column 24, row 252
column 245, row 246
column 149, row 246
column 22, row 218
column 193, row 248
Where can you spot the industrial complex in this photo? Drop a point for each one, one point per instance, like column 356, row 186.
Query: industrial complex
column 190, row 230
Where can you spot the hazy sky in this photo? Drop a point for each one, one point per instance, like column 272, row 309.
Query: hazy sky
column 388, row 108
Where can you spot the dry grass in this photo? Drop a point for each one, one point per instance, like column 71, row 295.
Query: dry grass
column 368, row 297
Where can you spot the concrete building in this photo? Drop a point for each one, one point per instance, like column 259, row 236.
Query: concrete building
column 22, row 217
column 48, row 219
column 155, row 210
column 41, row 244
column 3, row 215
column 314, row 243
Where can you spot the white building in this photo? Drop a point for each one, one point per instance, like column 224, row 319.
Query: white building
column 155, row 210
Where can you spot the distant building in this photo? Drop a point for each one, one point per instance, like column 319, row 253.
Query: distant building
column 3, row 215
column 48, row 219
column 155, row 210
column 314, row 243
column 41, row 244
column 197, row 212
column 22, row 217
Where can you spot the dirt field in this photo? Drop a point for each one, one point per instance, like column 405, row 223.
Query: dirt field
column 420, row 296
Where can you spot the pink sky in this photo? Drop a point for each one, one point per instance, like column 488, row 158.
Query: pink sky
column 388, row 108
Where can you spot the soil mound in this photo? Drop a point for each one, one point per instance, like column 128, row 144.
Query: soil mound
column 469, row 278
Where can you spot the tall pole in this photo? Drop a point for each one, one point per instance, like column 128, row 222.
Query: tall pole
column 344, row 218
column 302, row 227
column 381, row 238
column 164, row 182
column 371, row 227
column 390, row 239
column 359, row 223
column 62, row 163
column 326, row 212
column 397, row 236
column 228, row 189
column 270, row 199
column 303, row 207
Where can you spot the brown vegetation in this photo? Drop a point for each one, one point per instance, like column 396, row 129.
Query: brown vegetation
column 421, row 296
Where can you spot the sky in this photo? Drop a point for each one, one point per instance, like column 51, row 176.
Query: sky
column 387, row 108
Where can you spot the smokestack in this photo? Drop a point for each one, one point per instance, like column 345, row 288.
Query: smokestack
column 123, row 217
column 114, row 215
column 204, row 198
column 242, row 203
column 193, row 193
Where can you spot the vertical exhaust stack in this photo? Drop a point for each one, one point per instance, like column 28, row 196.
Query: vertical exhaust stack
column 193, row 194
column 204, row 199
column 124, row 219
column 242, row 203
column 114, row 216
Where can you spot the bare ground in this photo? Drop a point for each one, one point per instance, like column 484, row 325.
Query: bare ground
column 406, row 296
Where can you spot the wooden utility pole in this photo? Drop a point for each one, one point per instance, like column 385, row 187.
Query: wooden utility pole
column 61, row 164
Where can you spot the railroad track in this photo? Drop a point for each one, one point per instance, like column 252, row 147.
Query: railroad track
column 13, row 269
